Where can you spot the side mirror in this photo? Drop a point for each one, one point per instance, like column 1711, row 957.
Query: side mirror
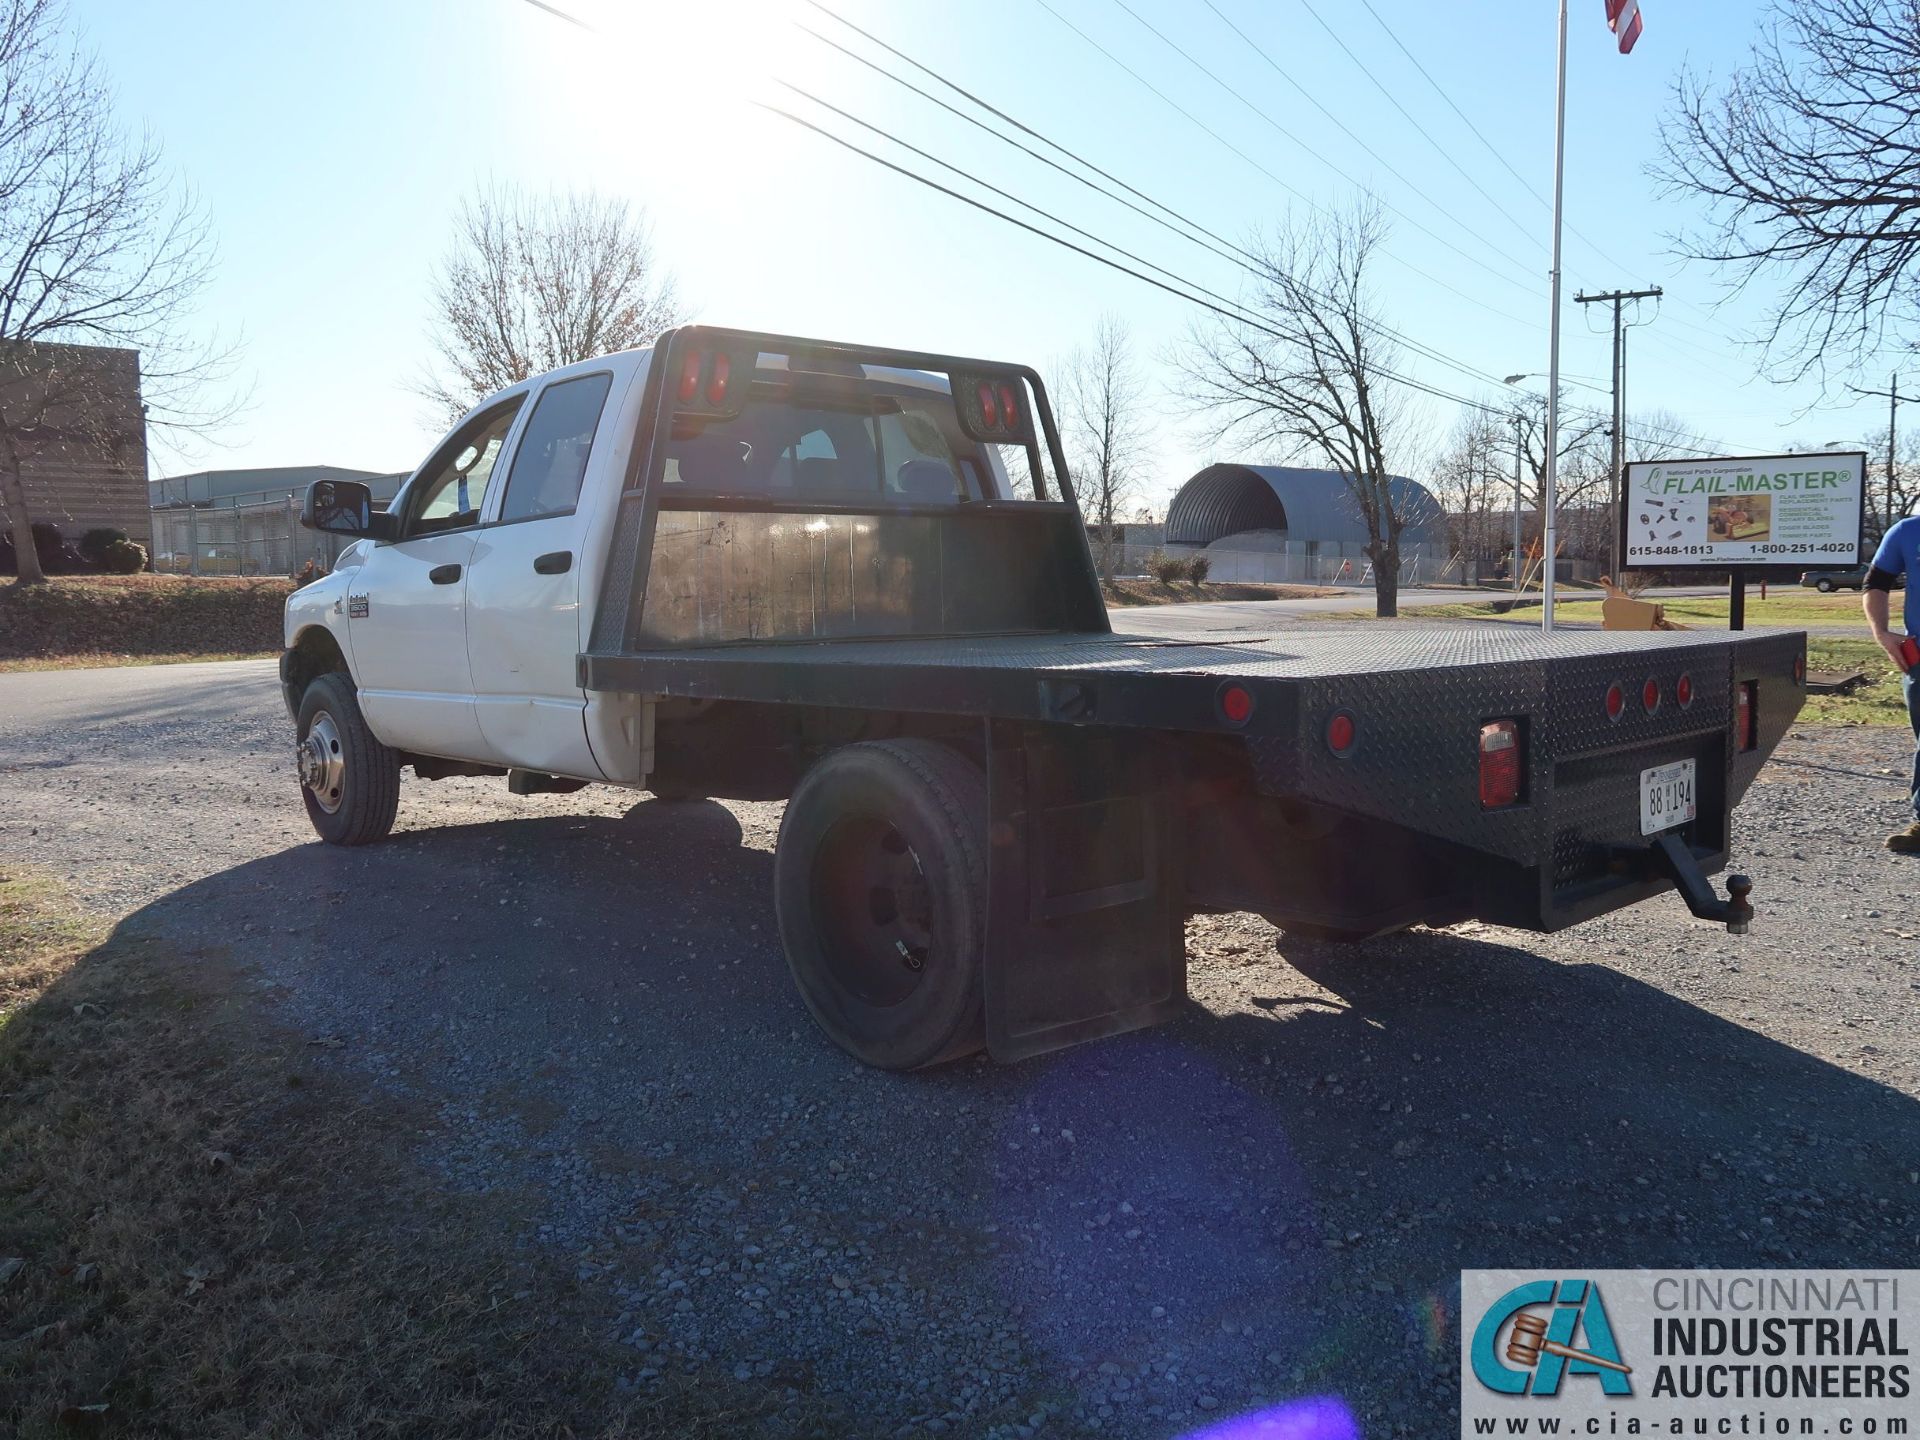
column 345, row 507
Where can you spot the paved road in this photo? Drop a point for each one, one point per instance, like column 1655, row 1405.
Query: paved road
column 582, row 1001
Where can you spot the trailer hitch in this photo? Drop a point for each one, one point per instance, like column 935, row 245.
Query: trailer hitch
column 1669, row 856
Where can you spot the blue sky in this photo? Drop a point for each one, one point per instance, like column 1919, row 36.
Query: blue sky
column 331, row 146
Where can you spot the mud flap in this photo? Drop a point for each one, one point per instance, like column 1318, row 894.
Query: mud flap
column 1085, row 926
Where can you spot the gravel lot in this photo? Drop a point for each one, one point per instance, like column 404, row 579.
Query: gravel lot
column 1264, row 1204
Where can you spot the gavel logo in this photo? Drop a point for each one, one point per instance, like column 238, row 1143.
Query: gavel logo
column 1528, row 1342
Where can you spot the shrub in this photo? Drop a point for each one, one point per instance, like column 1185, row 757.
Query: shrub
column 1165, row 568
column 1197, row 568
column 124, row 557
column 48, row 545
column 93, row 545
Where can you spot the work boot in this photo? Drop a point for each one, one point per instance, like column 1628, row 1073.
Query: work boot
column 1907, row 841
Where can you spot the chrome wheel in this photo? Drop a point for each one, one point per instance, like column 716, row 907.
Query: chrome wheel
column 322, row 762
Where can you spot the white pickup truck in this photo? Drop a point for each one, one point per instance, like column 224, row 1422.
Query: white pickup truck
column 756, row 567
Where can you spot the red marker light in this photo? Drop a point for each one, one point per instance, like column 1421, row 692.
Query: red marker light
column 1009, row 407
column 1746, row 735
column 1683, row 691
column 717, row 385
column 690, row 376
column 1501, row 770
column 1236, row 704
column 1650, row 695
column 989, row 411
column 1341, row 733
column 1799, row 669
column 1616, row 701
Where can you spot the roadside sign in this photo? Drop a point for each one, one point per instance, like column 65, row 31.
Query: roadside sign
column 1751, row 513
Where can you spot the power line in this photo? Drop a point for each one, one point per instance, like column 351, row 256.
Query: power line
column 1190, row 298
column 1275, row 125
column 1237, row 314
column 1242, row 257
column 1306, row 200
column 1279, row 70
column 558, row 13
column 1260, row 270
column 1494, row 150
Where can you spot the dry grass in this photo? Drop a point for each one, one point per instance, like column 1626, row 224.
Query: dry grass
column 217, row 1241
column 1125, row 593
column 137, row 619
column 98, row 661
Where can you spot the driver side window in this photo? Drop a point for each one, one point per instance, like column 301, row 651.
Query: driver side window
column 452, row 491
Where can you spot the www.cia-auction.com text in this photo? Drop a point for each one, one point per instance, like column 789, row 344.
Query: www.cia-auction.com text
column 1702, row 1352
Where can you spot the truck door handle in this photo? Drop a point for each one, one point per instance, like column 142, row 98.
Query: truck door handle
column 444, row 574
column 554, row 562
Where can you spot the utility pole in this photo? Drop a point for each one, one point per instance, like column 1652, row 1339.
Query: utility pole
column 1616, row 298
column 1515, row 565
column 1893, row 398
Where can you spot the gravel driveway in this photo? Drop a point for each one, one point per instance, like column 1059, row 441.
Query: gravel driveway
column 1265, row 1204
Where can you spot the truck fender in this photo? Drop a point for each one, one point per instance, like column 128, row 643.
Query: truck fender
column 313, row 653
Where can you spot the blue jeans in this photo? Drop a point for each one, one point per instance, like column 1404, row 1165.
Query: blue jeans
column 1912, row 693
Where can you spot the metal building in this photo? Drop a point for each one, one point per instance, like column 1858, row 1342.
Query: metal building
column 1289, row 524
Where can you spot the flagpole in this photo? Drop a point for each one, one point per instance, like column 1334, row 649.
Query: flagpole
column 1547, row 499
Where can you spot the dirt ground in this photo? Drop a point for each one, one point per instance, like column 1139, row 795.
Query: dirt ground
column 562, row 1029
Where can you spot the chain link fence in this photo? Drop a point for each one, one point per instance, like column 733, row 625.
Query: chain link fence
column 1298, row 562
column 257, row 534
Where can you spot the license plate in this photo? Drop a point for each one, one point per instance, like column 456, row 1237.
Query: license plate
column 1667, row 797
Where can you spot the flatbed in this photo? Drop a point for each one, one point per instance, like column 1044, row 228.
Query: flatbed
column 857, row 580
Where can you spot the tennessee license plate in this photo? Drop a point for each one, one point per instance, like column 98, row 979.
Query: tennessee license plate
column 1667, row 796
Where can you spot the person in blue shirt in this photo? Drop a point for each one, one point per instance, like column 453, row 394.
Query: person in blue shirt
column 1899, row 557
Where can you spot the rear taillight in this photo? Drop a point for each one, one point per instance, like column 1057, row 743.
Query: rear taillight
column 1616, row 701
column 989, row 407
column 1650, row 695
column 1502, row 764
column 1746, row 714
column 1009, row 407
column 1683, row 691
column 689, row 376
column 717, row 382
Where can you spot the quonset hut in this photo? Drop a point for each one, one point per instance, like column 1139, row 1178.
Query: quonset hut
column 1286, row 523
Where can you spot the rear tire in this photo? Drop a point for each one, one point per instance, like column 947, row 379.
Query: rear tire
column 880, row 887
column 1825, row 587
column 348, row 779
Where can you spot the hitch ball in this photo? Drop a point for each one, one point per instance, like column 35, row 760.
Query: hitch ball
column 1739, row 911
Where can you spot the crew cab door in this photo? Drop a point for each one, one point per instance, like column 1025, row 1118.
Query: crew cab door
column 407, row 605
column 523, row 588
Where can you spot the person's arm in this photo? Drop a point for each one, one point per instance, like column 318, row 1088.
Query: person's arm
column 1874, row 600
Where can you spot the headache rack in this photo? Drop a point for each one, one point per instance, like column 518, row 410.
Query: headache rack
column 699, row 566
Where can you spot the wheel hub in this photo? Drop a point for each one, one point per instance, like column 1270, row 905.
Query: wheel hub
column 875, row 910
column 322, row 762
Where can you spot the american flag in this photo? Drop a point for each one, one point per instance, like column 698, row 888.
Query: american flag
column 1623, row 18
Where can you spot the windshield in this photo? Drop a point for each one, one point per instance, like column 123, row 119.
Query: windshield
column 879, row 436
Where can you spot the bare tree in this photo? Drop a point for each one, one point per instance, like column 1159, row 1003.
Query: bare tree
column 1308, row 373
column 533, row 282
column 1470, row 478
column 97, row 249
column 1105, row 428
column 1806, row 157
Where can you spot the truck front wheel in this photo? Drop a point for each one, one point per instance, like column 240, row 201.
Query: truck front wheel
column 880, row 887
column 348, row 779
